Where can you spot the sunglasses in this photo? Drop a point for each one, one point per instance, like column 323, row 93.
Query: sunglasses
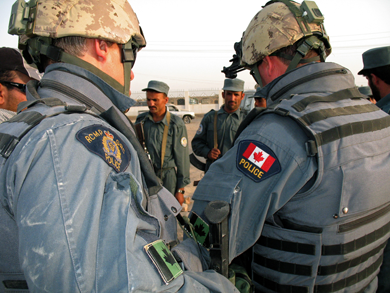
column 20, row 86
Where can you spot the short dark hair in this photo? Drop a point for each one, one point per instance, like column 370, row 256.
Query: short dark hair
column 7, row 75
column 382, row 72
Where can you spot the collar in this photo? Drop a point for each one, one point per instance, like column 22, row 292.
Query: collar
column 384, row 101
column 98, row 90
column 306, row 78
column 164, row 120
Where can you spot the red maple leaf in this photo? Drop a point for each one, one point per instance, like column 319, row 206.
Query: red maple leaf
column 258, row 156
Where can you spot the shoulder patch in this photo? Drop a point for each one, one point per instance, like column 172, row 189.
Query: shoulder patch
column 256, row 160
column 183, row 141
column 200, row 129
column 105, row 143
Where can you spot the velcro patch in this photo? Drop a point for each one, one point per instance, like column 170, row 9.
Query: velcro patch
column 105, row 143
column 163, row 260
column 256, row 160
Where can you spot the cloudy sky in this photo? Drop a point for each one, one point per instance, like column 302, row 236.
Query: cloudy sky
column 189, row 42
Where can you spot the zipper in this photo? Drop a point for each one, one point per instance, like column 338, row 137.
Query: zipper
column 305, row 79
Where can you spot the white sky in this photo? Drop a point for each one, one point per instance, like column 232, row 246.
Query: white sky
column 189, row 42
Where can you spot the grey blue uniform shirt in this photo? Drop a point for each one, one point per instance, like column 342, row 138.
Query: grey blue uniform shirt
column 301, row 183
column 227, row 125
column 75, row 213
column 176, row 169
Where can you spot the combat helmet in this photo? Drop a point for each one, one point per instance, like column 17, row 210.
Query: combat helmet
column 279, row 24
column 39, row 22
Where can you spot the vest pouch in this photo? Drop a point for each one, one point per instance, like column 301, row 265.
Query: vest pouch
column 284, row 257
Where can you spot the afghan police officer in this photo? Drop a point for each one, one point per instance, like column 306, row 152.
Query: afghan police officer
column 14, row 74
column 217, row 129
column 294, row 177
column 165, row 140
column 82, row 210
column 377, row 71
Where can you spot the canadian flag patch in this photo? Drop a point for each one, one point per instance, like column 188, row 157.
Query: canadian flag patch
column 256, row 160
column 259, row 157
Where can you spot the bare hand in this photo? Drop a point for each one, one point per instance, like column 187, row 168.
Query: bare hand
column 214, row 154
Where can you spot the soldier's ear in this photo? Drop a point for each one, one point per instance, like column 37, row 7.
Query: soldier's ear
column 3, row 94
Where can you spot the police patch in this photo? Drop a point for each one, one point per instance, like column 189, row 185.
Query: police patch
column 200, row 129
column 106, row 144
column 183, row 141
column 256, row 160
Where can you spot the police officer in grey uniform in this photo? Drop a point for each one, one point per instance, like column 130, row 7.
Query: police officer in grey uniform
column 294, row 177
column 212, row 146
column 175, row 171
column 377, row 71
column 82, row 210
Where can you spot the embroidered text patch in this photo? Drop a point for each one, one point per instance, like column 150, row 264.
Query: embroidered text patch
column 256, row 160
column 105, row 143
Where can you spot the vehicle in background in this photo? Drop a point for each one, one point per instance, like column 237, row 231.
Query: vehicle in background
column 248, row 103
column 187, row 116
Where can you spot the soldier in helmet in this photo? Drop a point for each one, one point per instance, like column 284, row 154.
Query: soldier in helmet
column 302, row 218
column 82, row 210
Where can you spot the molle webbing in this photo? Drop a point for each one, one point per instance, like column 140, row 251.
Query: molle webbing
column 350, row 93
column 9, row 142
column 306, row 270
column 338, row 249
column 349, row 129
column 31, row 119
column 326, row 288
column 340, row 131
column 316, row 116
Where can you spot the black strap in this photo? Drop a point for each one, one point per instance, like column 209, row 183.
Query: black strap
column 113, row 118
column 288, row 246
column 351, row 280
column 350, row 93
column 323, row 114
column 252, row 115
column 283, row 267
column 15, row 285
column 343, row 266
column 327, row 288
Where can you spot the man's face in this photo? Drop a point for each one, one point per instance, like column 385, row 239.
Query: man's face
column 156, row 102
column 11, row 96
column 232, row 100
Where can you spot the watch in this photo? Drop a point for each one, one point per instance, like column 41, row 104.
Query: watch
column 181, row 191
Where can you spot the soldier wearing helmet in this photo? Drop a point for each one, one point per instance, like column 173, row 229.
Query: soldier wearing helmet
column 82, row 210
column 302, row 219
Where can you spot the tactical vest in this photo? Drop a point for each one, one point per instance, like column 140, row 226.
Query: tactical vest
column 159, row 204
column 331, row 237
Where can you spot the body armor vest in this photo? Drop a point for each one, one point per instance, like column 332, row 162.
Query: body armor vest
column 161, row 205
column 331, row 237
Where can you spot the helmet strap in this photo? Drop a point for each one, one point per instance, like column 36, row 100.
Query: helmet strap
column 256, row 74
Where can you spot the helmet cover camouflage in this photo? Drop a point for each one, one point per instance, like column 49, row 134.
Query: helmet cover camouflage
column 112, row 20
column 272, row 28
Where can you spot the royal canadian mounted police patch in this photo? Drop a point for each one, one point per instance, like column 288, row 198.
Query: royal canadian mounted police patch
column 106, row 144
column 256, row 160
